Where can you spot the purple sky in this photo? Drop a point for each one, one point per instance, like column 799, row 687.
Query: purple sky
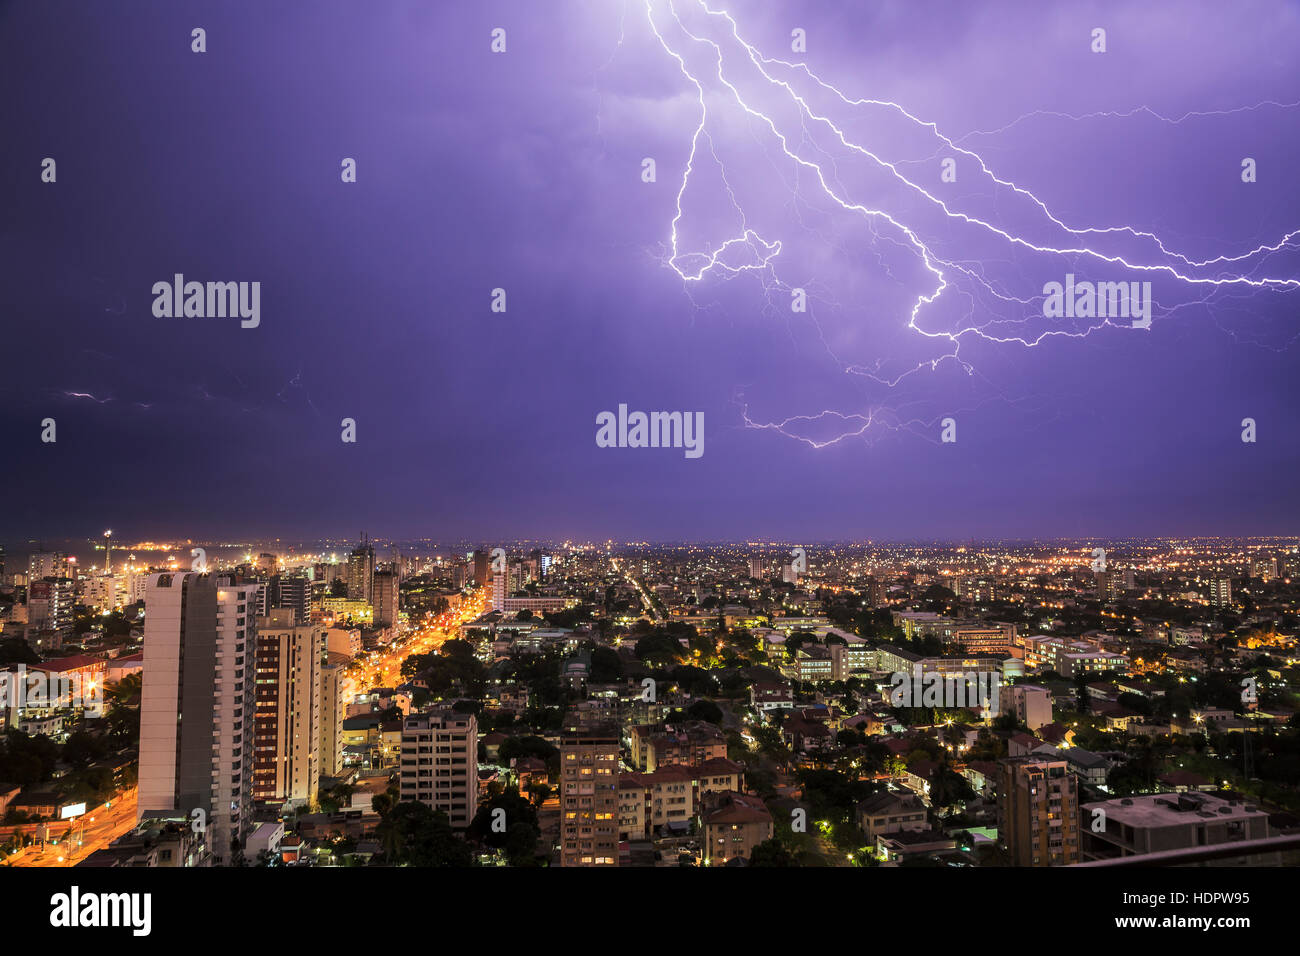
column 522, row 170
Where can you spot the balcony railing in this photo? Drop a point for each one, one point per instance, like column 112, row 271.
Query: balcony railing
column 1270, row 851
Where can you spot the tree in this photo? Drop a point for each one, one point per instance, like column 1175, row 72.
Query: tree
column 15, row 650
column 417, row 836
column 659, row 649
column 125, row 690
column 705, row 710
column 771, row 853
column 339, row 796
column 606, row 665
column 508, row 822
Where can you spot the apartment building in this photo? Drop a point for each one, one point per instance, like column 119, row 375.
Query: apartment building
column 589, row 798
column 1155, row 823
column 660, row 745
column 287, row 717
column 1038, row 810
column 671, row 795
column 439, row 763
column 1029, row 704
column 335, row 690
column 196, row 707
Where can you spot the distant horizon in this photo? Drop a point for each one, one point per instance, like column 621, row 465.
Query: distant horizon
column 71, row 543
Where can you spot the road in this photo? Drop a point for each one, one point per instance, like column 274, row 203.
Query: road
column 96, row 829
column 645, row 598
column 383, row 668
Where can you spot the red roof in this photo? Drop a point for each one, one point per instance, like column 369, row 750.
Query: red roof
column 72, row 663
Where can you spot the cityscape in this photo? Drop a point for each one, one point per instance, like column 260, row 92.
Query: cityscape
column 628, row 704
column 455, row 437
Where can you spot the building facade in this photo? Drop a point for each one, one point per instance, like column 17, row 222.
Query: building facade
column 196, row 707
column 439, row 763
column 589, row 795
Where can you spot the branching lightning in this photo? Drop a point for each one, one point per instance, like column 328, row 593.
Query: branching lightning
column 720, row 66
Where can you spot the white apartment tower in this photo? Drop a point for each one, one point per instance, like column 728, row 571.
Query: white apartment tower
column 196, row 708
column 335, row 690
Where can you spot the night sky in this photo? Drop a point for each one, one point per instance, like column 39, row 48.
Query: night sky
column 523, row 170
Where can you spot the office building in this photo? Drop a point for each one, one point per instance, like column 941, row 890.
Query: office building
column 481, row 565
column 288, row 591
column 386, row 598
column 361, row 572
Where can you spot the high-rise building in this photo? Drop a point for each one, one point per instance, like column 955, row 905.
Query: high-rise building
column 1038, row 810
column 326, row 573
column 1265, row 568
column 481, row 558
column 386, row 598
column 875, row 592
column 336, row 688
column 295, row 593
column 439, row 763
column 1221, row 592
column 589, row 794
column 50, row 603
column 500, row 590
column 361, row 572
column 756, row 567
column 46, row 564
column 196, row 707
column 286, row 723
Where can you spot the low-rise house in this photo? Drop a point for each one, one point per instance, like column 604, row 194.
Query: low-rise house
column 767, row 696
column 890, row 812
column 734, row 823
column 1091, row 769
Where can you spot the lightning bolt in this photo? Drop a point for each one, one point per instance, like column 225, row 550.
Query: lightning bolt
column 716, row 61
